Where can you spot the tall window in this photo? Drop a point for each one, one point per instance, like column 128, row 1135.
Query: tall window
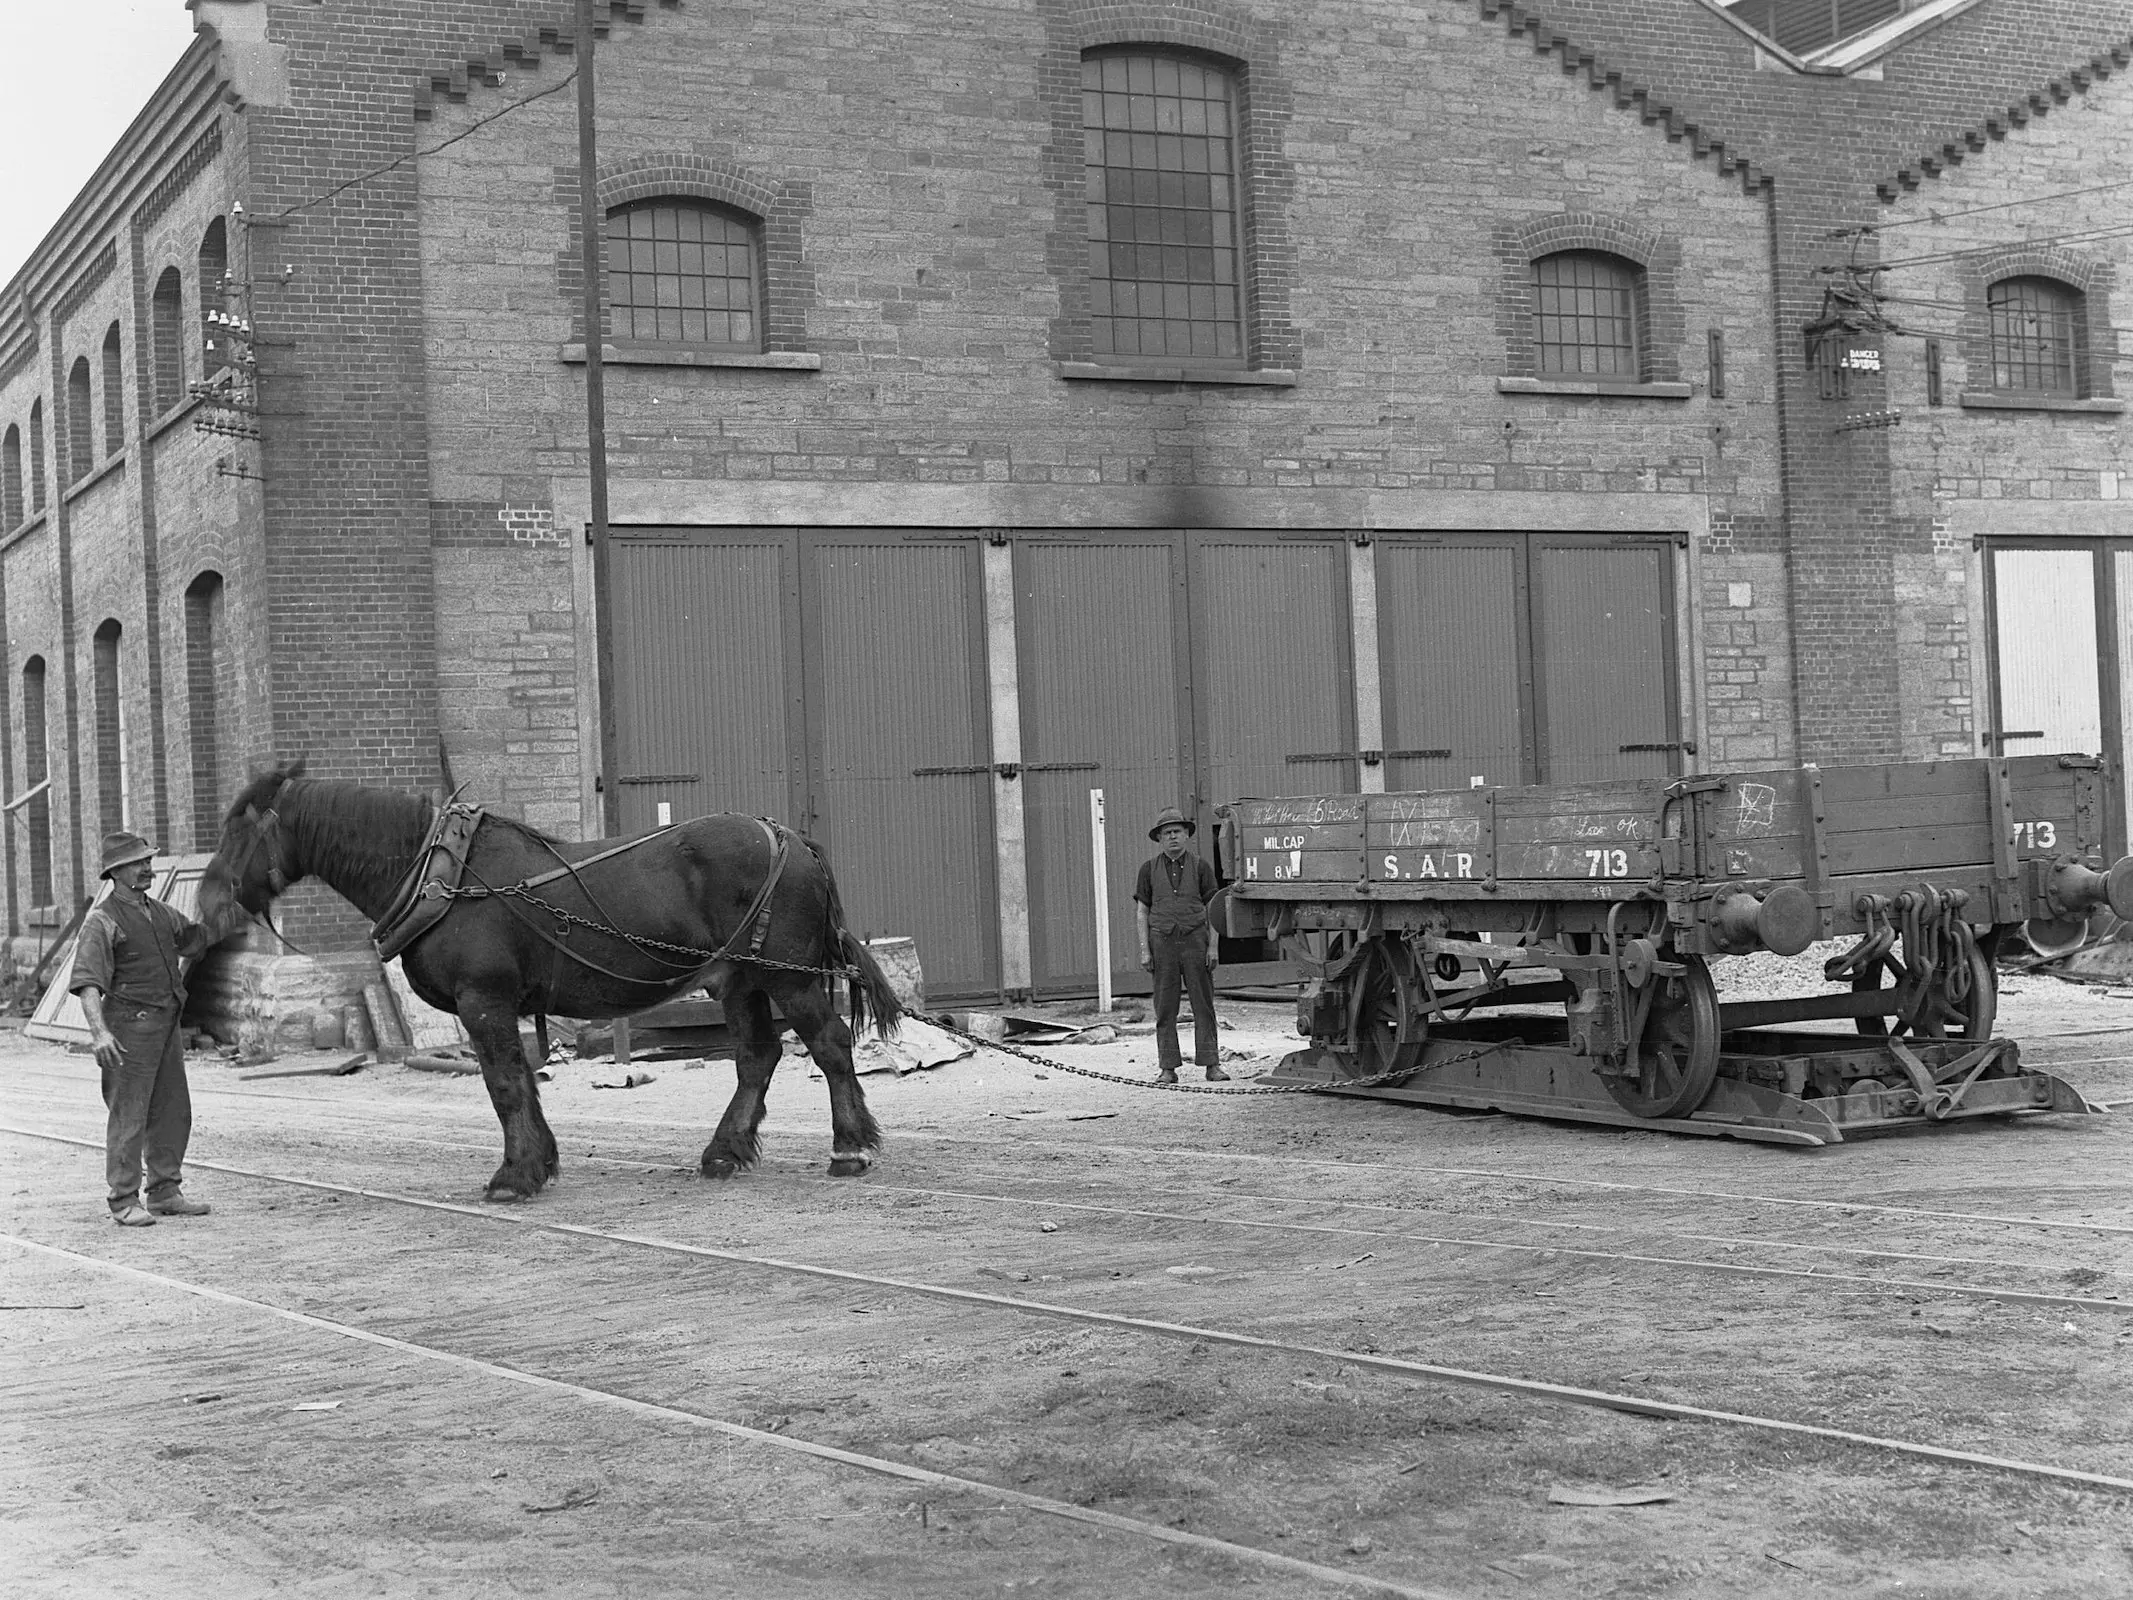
column 11, row 477
column 2034, row 324
column 110, row 730
column 1585, row 315
column 37, row 455
column 203, row 628
column 36, row 768
column 214, row 293
column 81, row 429
column 167, row 320
column 1160, row 150
column 114, row 395
column 682, row 272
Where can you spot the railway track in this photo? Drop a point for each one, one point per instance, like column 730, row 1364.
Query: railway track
column 1391, row 1367
column 1227, row 1203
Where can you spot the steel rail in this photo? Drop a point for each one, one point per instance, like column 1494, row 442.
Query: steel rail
column 1725, row 1241
column 629, row 1404
column 1392, row 1366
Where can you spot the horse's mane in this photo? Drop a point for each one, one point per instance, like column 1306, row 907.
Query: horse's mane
column 349, row 831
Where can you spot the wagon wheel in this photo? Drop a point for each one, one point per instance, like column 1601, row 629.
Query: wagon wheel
column 1386, row 1026
column 1676, row 1057
column 1942, row 1017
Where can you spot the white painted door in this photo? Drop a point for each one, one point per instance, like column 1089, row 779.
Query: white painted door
column 2047, row 680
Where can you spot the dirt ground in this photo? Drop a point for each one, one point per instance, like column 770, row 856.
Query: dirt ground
column 155, row 1437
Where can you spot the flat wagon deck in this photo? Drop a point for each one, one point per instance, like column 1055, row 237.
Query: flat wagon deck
column 1546, row 949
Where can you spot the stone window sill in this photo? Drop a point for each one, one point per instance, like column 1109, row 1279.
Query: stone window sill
column 1616, row 388
column 81, row 486
column 22, row 531
column 679, row 355
column 2009, row 400
column 1098, row 371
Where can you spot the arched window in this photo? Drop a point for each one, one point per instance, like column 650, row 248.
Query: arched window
column 36, row 769
column 11, row 477
column 1160, row 152
column 203, row 631
column 37, row 455
column 1587, row 315
column 2035, row 335
column 114, row 395
column 167, row 318
column 81, row 428
column 214, row 293
column 110, row 710
column 682, row 272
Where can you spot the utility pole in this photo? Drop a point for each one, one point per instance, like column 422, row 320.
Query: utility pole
column 592, row 235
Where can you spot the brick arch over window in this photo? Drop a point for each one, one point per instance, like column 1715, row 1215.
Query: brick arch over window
column 37, row 455
column 2091, row 281
column 166, row 317
column 114, row 394
column 781, row 211
column 1655, row 256
column 108, row 708
column 10, row 477
column 206, row 667
column 81, row 426
column 36, row 769
column 214, row 293
column 1263, row 101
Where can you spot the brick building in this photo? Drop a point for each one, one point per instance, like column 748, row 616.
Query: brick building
column 1182, row 398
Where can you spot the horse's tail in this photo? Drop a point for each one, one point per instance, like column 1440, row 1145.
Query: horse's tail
column 871, row 996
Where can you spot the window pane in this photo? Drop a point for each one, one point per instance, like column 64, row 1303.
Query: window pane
column 1161, row 195
column 1585, row 315
column 668, row 261
column 2032, row 334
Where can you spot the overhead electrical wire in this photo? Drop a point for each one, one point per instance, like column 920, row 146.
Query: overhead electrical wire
column 565, row 82
column 1936, row 218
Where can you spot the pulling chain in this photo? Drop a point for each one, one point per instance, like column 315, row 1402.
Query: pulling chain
column 1046, row 1062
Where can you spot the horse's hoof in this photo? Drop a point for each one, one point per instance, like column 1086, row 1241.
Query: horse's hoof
column 501, row 1196
column 720, row 1167
column 850, row 1166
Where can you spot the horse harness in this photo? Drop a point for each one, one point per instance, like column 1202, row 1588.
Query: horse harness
column 436, row 880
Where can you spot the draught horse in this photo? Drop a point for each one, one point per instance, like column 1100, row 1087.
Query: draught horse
column 614, row 926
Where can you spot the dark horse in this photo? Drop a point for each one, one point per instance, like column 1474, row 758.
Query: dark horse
column 649, row 920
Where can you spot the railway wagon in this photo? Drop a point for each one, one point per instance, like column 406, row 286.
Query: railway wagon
column 1546, row 949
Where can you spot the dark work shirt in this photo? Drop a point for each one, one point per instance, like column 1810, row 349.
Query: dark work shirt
column 134, row 952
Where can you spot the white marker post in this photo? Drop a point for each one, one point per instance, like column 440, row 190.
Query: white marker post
column 1100, row 859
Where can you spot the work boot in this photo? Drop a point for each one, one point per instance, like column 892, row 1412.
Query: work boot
column 175, row 1204
column 1167, row 1075
column 133, row 1217
column 1217, row 1075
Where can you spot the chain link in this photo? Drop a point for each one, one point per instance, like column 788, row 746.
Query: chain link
column 1034, row 1059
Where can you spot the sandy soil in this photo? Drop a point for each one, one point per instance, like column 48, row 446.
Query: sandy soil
column 154, row 1439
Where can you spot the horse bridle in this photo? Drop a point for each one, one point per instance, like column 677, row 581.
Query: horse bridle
column 266, row 834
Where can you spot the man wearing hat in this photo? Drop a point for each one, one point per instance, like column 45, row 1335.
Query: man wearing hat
column 1178, row 942
column 128, row 972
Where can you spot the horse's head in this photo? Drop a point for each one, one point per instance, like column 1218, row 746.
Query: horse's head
column 255, row 860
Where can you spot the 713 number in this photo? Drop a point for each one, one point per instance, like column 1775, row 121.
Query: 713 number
column 1607, row 863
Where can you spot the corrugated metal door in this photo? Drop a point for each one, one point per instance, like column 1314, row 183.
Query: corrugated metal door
column 898, row 726
column 1453, row 662
column 2046, row 679
column 707, row 676
column 1273, row 675
column 1603, row 626
column 1097, row 640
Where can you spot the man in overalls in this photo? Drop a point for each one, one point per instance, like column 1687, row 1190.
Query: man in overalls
column 128, row 966
column 1178, row 943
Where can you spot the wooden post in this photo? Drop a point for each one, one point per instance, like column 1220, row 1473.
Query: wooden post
column 1101, row 866
column 592, row 236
